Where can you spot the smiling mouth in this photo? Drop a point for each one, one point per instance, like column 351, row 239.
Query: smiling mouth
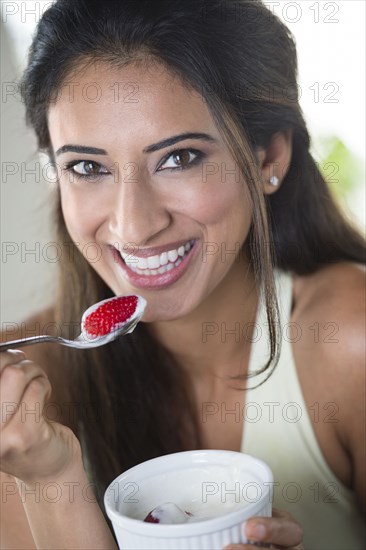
column 156, row 264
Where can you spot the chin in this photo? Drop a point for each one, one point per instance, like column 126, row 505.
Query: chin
column 160, row 315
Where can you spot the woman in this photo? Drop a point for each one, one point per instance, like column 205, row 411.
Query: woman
column 174, row 135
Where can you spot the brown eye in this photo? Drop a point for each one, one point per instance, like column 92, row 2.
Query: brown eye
column 181, row 159
column 91, row 168
column 88, row 168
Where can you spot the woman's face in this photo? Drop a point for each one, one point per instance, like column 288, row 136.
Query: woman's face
column 144, row 173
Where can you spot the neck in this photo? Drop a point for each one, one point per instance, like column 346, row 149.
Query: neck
column 214, row 340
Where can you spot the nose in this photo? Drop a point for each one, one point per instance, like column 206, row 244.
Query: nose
column 138, row 214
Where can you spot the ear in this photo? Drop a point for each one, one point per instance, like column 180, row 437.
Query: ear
column 274, row 161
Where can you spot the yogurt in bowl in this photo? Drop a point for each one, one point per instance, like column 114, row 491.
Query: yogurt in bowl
column 219, row 489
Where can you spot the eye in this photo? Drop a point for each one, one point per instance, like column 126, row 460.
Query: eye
column 86, row 168
column 180, row 159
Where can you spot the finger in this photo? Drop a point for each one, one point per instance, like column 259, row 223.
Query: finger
column 14, row 381
column 254, row 546
column 281, row 530
column 11, row 357
column 26, row 428
column 276, row 513
column 31, row 448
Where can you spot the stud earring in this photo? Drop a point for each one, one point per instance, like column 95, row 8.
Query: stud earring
column 273, row 180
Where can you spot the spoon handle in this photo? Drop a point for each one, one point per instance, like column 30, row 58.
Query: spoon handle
column 81, row 342
column 29, row 341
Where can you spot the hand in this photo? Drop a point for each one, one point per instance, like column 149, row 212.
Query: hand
column 31, row 448
column 280, row 531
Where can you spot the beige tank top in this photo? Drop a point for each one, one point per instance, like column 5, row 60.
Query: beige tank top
column 278, row 430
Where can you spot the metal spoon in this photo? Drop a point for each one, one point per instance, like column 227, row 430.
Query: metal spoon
column 85, row 341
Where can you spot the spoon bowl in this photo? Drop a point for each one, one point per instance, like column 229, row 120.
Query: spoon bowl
column 101, row 323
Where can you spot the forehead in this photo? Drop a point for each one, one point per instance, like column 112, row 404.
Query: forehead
column 136, row 100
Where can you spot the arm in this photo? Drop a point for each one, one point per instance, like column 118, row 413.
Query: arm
column 15, row 533
column 45, row 460
column 74, row 521
column 34, row 525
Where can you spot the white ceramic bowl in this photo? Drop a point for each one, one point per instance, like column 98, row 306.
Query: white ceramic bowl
column 226, row 486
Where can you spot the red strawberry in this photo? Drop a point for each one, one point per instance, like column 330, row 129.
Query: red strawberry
column 151, row 519
column 107, row 316
column 167, row 513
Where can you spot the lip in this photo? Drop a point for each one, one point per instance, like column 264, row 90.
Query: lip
column 159, row 281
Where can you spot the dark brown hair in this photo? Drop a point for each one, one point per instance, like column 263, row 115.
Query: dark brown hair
column 131, row 400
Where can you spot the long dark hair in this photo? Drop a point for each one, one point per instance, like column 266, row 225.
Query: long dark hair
column 131, row 400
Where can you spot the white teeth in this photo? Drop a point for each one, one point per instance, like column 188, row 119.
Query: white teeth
column 163, row 258
column 153, row 262
column 129, row 260
column 172, row 255
column 160, row 271
column 158, row 264
column 143, row 263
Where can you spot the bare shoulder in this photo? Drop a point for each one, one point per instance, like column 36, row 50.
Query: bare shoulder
column 340, row 281
column 329, row 309
column 331, row 305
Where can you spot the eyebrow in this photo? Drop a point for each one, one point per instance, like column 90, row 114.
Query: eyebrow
column 175, row 139
column 80, row 149
column 149, row 149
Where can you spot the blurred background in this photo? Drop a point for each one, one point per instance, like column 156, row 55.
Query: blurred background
column 330, row 39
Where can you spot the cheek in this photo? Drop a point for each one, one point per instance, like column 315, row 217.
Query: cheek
column 223, row 205
column 81, row 216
